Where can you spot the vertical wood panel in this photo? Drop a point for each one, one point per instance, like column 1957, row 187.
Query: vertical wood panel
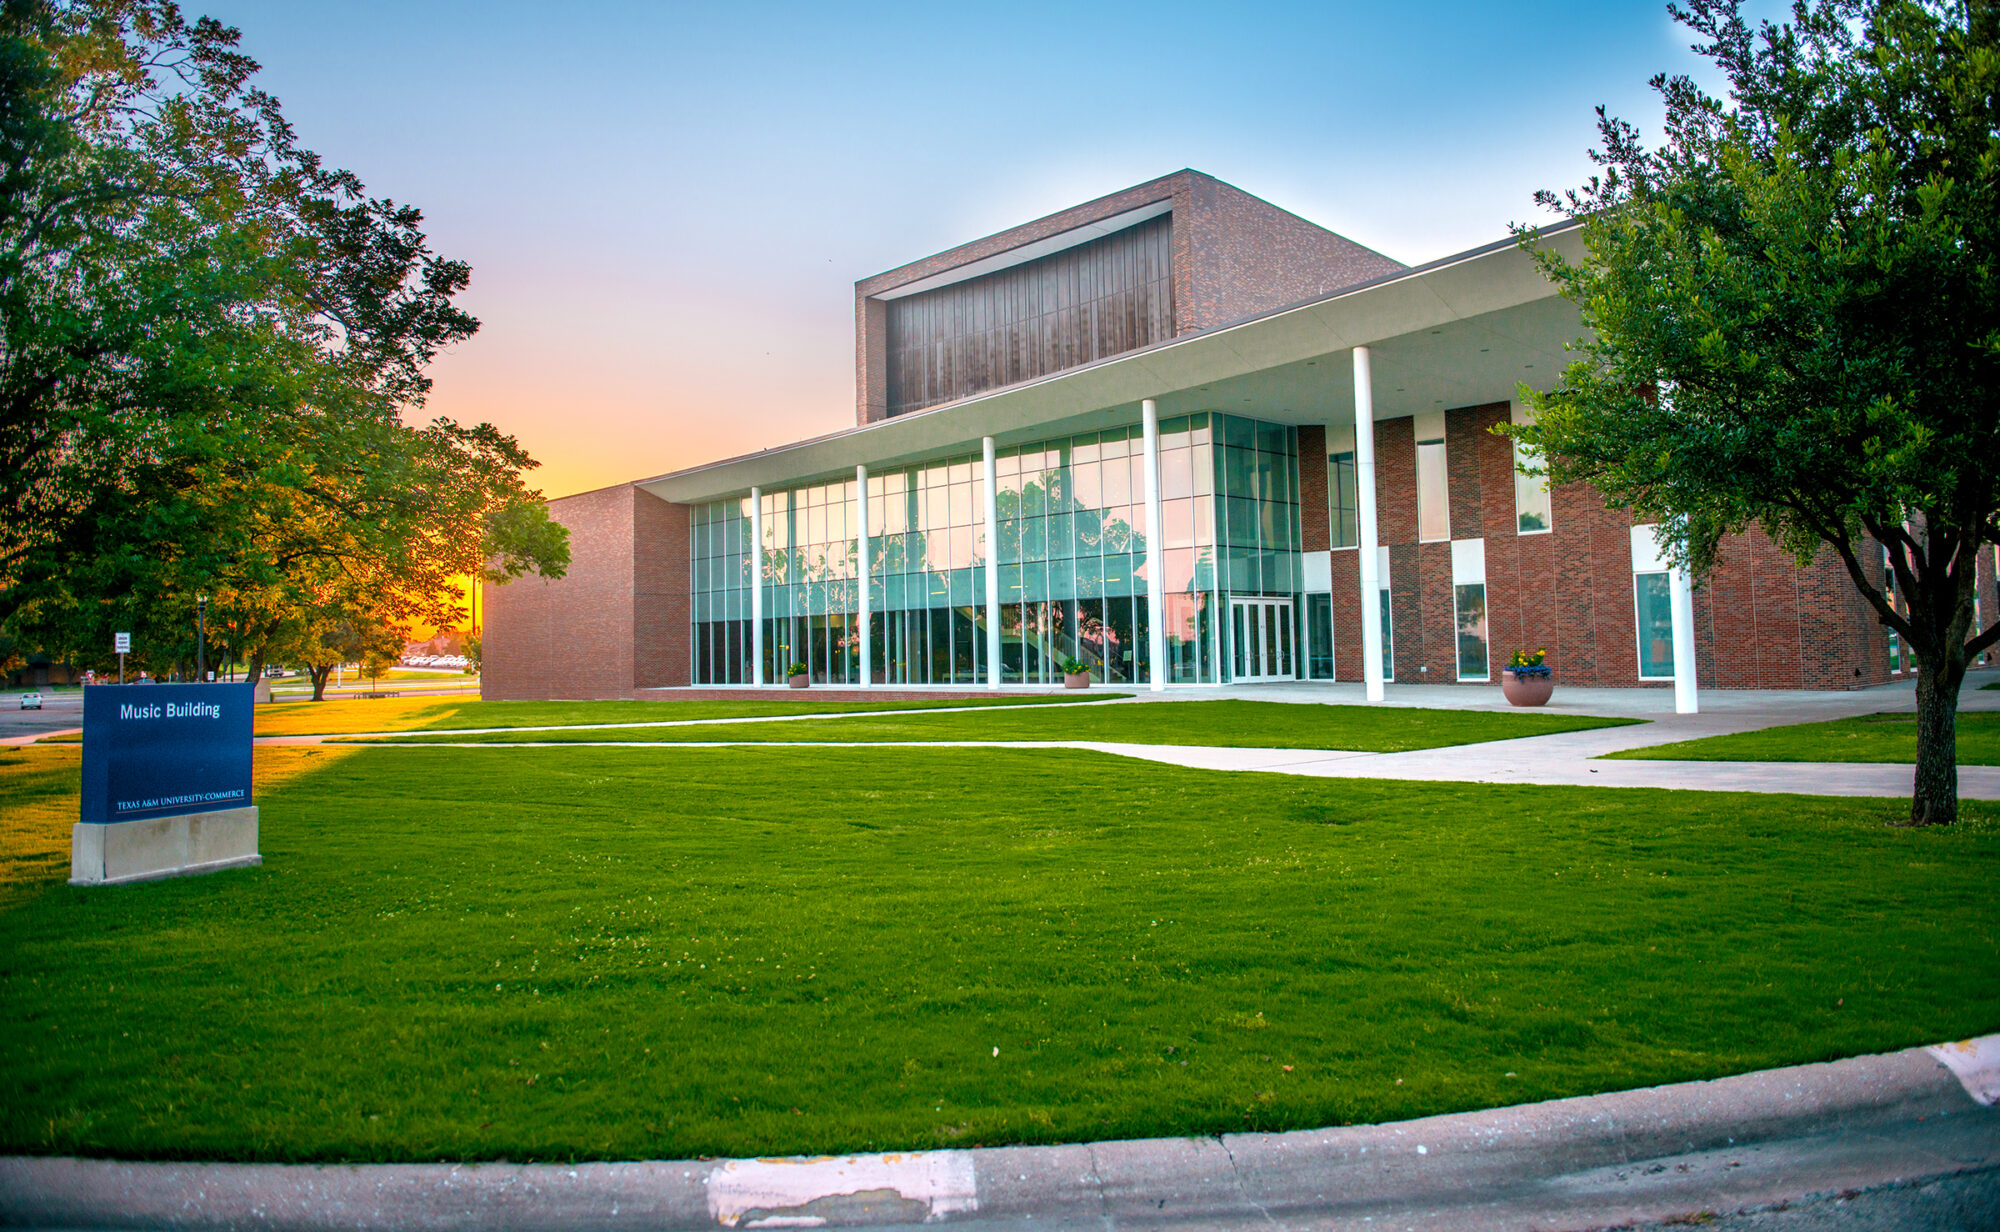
column 1070, row 308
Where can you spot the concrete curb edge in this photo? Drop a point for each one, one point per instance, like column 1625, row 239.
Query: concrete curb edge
column 1427, row 1163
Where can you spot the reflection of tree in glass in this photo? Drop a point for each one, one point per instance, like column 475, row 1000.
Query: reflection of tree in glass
column 1099, row 530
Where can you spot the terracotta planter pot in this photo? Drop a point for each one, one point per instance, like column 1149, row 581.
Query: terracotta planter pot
column 1077, row 680
column 1526, row 690
column 799, row 681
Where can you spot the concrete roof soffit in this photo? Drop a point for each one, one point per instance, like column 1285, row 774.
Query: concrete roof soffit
column 1402, row 307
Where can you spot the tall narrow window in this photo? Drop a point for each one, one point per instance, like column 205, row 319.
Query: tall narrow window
column 1532, row 515
column 1388, row 637
column 1653, row 596
column 1345, row 499
column 1531, row 495
column 1433, row 495
column 1469, row 603
column 1895, row 605
column 1319, row 637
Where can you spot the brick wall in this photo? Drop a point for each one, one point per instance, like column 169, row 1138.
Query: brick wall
column 1315, row 513
column 618, row 619
column 1242, row 256
column 1347, row 615
column 662, row 612
column 1761, row 621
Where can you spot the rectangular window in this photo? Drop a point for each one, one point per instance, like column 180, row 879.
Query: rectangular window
column 1653, row 596
column 1388, row 637
column 1531, row 497
column 1889, row 593
column 1345, row 499
column 1469, row 604
column 1532, row 515
column 1319, row 637
column 1433, row 495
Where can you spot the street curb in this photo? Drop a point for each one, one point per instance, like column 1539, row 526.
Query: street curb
column 1434, row 1164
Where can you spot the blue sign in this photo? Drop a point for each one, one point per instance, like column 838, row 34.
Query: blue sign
column 159, row 750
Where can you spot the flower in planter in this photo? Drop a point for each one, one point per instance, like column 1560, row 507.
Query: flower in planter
column 1074, row 667
column 1525, row 664
column 797, row 669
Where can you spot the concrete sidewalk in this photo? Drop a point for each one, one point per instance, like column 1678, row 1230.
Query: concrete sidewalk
column 1898, row 1129
column 1530, row 760
column 1562, row 759
column 1572, row 759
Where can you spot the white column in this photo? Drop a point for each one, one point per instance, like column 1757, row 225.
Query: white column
column 1156, row 563
column 1681, row 595
column 1364, row 486
column 861, row 552
column 756, row 586
column 992, row 566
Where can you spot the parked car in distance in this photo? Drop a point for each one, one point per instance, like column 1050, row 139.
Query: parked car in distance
column 31, row 701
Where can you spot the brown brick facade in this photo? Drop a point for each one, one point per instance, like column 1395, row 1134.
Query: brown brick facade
column 1315, row 513
column 619, row 619
column 1761, row 621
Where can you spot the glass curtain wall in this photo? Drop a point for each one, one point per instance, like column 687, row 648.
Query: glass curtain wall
column 1072, row 561
column 1072, row 524
column 1257, row 506
column 927, row 593
column 719, row 557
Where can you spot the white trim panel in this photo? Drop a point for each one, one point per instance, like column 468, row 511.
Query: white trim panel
column 1029, row 252
column 1468, row 562
column 1319, row 573
column 1647, row 555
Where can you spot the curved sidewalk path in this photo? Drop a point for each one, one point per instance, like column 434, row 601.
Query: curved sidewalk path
column 1561, row 759
column 1896, row 1136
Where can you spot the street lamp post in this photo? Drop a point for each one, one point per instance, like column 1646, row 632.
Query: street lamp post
column 200, row 638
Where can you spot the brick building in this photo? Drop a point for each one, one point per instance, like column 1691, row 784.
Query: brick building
column 1143, row 433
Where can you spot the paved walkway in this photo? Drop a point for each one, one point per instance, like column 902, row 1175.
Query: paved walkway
column 1562, row 759
column 1498, row 762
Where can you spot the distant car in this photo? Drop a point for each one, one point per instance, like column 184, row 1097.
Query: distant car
column 275, row 673
column 31, row 701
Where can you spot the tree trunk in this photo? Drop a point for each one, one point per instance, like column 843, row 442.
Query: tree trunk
column 320, row 674
column 1934, row 800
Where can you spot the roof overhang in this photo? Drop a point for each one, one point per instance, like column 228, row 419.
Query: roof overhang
column 1032, row 250
column 1463, row 331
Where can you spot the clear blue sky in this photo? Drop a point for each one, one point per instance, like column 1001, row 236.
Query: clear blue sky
column 666, row 206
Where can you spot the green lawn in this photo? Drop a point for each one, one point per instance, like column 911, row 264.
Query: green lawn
column 1875, row 737
column 1236, row 724
column 604, row 953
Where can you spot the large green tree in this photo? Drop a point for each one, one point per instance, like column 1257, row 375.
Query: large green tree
column 211, row 349
column 1794, row 314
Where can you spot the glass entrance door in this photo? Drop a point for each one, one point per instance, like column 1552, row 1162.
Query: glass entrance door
column 1262, row 639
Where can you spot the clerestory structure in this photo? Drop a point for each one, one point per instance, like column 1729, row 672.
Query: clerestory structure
column 1186, row 438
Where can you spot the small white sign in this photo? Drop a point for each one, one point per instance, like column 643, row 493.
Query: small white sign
column 121, row 643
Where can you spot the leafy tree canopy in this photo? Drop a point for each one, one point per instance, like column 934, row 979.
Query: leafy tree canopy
column 211, row 345
column 1794, row 315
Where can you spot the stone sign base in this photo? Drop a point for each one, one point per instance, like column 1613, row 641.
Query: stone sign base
column 163, row 847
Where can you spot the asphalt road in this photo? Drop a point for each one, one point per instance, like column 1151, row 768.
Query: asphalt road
column 59, row 712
